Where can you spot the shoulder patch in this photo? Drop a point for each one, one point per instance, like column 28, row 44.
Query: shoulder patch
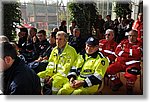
column 103, row 62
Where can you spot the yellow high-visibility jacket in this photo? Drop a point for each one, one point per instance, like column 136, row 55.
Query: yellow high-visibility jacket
column 91, row 69
column 60, row 64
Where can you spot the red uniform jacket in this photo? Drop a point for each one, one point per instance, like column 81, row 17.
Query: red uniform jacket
column 138, row 26
column 108, row 49
column 129, row 53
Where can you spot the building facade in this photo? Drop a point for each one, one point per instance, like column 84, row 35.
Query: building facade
column 47, row 14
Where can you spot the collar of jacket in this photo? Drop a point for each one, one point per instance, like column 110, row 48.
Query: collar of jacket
column 16, row 61
column 9, row 73
column 63, row 49
column 44, row 41
column 94, row 55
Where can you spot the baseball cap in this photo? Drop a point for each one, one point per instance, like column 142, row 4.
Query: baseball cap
column 92, row 41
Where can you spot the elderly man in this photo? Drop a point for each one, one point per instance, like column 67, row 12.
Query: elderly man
column 76, row 41
column 61, row 60
column 88, row 71
column 129, row 53
column 107, row 46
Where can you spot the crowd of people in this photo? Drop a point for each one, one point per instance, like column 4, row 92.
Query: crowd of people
column 62, row 64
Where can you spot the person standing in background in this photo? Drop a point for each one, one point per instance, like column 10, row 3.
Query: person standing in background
column 63, row 26
column 138, row 26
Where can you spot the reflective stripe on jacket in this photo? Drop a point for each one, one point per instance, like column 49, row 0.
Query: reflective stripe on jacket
column 91, row 69
column 60, row 63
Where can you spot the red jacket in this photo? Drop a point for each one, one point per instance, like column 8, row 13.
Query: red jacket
column 138, row 26
column 129, row 53
column 108, row 48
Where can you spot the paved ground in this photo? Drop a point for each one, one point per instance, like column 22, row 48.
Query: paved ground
column 122, row 91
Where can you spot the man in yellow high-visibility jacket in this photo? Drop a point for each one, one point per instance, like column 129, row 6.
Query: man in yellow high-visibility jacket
column 88, row 72
column 60, row 62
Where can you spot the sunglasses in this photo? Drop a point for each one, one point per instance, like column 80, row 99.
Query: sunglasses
column 107, row 34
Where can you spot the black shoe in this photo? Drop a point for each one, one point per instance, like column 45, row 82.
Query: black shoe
column 116, row 87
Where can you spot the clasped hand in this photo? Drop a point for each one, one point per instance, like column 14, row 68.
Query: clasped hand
column 76, row 83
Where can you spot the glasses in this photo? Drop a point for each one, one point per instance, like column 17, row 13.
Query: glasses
column 131, row 35
column 107, row 34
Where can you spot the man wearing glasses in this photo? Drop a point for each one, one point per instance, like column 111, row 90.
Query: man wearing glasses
column 129, row 53
column 107, row 46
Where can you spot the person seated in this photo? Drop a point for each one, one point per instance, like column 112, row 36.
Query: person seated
column 42, row 50
column 43, row 44
column 18, row 79
column 23, row 35
column 42, row 62
column 59, row 63
column 52, row 42
column 107, row 46
column 129, row 53
column 32, row 39
column 88, row 71
column 76, row 41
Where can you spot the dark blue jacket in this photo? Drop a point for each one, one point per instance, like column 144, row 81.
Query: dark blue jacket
column 77, row 43
column 20, row 80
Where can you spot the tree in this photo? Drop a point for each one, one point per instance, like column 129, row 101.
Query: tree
column 122, row 9
column 11, row 17
column 86, row 16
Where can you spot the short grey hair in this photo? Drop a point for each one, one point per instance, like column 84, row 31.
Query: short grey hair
column 110, row 30
column 59, row 33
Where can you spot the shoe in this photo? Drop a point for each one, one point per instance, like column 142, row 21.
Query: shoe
column 117, row 86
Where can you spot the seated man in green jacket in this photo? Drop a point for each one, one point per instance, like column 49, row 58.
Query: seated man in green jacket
column 60, row 62
column 88, row 71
